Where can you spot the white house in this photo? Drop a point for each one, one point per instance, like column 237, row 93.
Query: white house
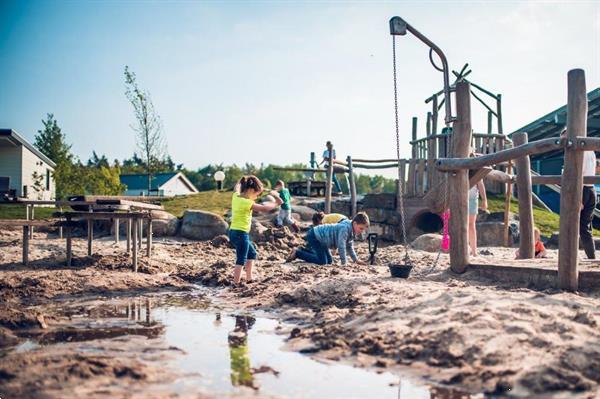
column 23, row 164
column 162, row 184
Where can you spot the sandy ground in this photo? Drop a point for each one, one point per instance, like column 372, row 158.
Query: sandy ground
column 453, row 330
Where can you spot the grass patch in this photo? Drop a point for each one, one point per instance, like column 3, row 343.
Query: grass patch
column 213, row 201
column 17, row 211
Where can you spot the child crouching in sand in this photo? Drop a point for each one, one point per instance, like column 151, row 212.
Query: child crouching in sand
column 540, row 249
column 242, row 204
column 340, row 235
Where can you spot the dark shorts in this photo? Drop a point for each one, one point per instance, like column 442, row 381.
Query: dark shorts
column 244, row 248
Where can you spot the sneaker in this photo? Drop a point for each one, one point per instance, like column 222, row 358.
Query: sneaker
column 291, row 256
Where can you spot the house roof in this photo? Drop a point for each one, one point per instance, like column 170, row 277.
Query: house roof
column 17, row 139
column 550, row 125
column 140, row 181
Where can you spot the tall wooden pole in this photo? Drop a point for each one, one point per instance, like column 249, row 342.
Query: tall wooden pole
column 572, row 183
column 499, row 113
column 352, row 185
column 508, row 196
column 329, row 179
column 458, row 194
column 527, row 242
column 434, row 115
column 414, row 137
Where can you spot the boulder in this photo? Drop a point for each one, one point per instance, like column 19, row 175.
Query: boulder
column 202, row 225
column 491, row 234
column 257, row 231
column 427, row 242
column 304, row 212
column 219, row 241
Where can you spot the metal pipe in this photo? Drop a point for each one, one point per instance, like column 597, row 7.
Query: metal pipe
column 399, row 27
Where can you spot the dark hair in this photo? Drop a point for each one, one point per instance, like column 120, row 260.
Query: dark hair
column 328, row 144
column 279, row 183
column 317, row 218
column 361, row 218
column 252, row 182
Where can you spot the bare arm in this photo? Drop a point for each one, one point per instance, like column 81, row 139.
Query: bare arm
column 481, row 188
column 269, row 206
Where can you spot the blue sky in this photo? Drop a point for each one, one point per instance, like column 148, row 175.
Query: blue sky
column 238, row 82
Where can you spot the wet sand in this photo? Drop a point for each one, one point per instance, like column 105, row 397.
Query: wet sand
column 452, row 330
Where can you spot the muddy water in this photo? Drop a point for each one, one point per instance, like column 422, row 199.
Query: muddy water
column 223, row 353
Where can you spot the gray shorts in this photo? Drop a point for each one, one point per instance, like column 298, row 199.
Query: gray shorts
column 284, row 217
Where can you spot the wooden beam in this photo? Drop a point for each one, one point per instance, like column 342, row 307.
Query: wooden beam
column 116, row 230
column 527, row 242
column 90, row 236
column 572, row 183
column 149, row 238
column 556, row 179
column 476, row 175
column 536, row 147
column 69, row 234
column 128, row 235
column 458, row 195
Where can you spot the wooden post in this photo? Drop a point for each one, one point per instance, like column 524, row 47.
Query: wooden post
column 69, row 244
column 352, row 185
column 428, row 125
column 489, row 127
column 60, row 228
column 26, row 245
column 434, row 115
column 308, row 184
column 508, row 197
column 134, row 246
column 329, row 179
column 414, row 137
column 149, row 237
column 116, row 228
column 128, row 235
column 398, row 194
column 32, row 218
column 499, row 112
column 403, row 175
column 572, row 183
column 431, row 152
column 140, row 227
column 90, row 235
column 527, row 242
column 458, row 193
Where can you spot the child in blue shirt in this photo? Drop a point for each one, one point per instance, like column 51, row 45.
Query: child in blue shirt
column 340, row 235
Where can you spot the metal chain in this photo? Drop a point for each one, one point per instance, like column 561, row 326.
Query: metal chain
column 400, row 177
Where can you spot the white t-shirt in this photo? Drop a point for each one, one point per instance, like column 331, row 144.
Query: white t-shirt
column 589, row 164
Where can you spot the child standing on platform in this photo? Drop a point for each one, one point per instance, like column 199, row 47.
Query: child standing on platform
column 242, row 204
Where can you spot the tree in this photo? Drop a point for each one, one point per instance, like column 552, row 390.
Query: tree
column 149, row 137
column 52, row 142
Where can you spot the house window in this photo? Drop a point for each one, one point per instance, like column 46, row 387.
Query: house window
column 47, row 179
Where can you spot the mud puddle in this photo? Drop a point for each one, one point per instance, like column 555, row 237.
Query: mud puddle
column 215, row 351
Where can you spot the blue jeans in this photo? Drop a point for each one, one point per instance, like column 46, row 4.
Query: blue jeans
column 315, row 251
column 244, row 248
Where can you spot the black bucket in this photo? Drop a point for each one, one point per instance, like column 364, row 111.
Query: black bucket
column 401, row 271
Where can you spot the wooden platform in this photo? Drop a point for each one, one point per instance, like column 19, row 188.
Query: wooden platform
column 536, row 273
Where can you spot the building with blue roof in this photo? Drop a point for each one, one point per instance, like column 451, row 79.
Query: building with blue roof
column 162, row 184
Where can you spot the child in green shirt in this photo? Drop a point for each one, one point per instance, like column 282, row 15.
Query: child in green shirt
column 242, row 204
column 285, row 213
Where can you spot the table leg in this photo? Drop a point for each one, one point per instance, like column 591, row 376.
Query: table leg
column 69, row 246
column 141, row 231
column 128, row 234
column 25, row 245
column 116, row 227
column 149, row 238
column 90, row 236
column 32, row 218
column 135, row 245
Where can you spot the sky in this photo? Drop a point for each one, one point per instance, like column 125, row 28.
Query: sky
column 269, row 82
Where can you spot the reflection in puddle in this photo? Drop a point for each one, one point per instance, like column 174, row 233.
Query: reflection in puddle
column 241, row 374
column 223, row 355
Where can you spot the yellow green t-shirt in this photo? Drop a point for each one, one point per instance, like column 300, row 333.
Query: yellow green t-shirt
column 333, row 218
column 241, row 213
